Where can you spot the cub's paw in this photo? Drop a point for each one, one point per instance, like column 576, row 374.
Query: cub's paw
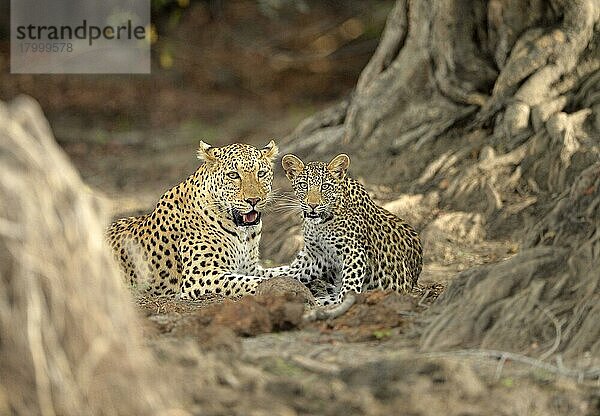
column 326, row 300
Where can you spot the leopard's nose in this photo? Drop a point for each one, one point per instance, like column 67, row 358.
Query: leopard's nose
column 313, row 206
column 253, row 201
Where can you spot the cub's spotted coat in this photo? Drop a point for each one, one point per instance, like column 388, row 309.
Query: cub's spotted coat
column 349, row 241
column 204, row 233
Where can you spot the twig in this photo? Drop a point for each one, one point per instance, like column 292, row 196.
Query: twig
column 557, row 338
column 321, row 314
column 315, row 366
column 499, row 368
column 317, row 351
column 580, row 375
column 424, row 297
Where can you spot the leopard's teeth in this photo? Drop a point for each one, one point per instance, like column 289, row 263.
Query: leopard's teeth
column 249, row 217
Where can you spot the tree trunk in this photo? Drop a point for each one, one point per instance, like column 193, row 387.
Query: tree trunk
column 495, row 105
column 68, row 342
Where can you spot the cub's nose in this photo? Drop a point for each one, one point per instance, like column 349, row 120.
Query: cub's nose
column 313, row 206
column 253, row 201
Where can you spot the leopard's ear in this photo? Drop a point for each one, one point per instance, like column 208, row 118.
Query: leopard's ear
column 339, row 166
column 205, row 152
column 270, row 151
column 292, row 166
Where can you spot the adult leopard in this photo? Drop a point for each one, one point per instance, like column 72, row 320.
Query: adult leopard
column 203, row 235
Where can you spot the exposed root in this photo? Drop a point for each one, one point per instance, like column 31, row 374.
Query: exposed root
column 537, row 63
column 322, row 127
column 559, row 369
column 554, row 278
column 390, row 44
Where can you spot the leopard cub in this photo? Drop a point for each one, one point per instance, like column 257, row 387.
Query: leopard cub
column 349, row 241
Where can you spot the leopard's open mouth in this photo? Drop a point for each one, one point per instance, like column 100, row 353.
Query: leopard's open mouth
column 247, row 219
column 323, row 216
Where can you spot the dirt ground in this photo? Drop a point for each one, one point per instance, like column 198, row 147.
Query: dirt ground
column 132, row 139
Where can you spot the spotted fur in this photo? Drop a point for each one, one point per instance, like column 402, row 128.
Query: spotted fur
column 349, row 241
column 204, row 233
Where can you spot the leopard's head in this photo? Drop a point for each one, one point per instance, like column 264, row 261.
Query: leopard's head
column 239, row 179
column 317, row 185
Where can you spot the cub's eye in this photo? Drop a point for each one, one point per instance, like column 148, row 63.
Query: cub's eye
column 326, row 187
column 233, row 175
column 262, row 173
column 302, row 186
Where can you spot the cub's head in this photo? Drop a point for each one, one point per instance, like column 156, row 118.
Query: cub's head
column 318, row 185
column 239, row 178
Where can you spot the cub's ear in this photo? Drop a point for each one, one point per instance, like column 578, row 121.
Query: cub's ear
column 339, row 165
column 270, row 151
column 205, row 152
column 292, row 166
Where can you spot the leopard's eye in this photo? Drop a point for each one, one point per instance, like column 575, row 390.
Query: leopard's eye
column 301, row 186
column 233, row 175
column 326, row 187
column 262, row 173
